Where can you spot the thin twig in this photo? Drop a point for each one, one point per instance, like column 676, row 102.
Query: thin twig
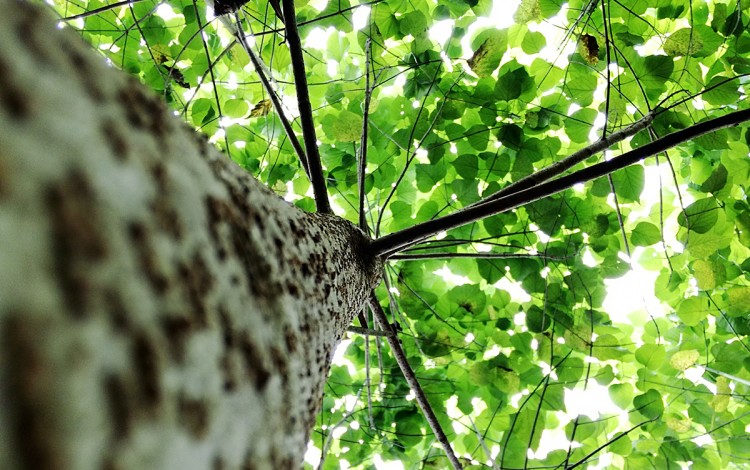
column 329, row 440
column 260, row 69
column 305, row 108
column 611, row 441
column 99, row 10
column 365, row 331
column 391, row 244
column 557, row 168
column 411, row 379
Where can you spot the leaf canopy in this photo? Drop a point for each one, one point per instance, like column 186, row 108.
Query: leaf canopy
column 606, row 325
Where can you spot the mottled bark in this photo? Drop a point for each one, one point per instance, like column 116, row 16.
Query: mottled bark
column 159, row 308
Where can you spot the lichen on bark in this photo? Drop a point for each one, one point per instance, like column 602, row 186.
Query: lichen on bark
column 159, row 308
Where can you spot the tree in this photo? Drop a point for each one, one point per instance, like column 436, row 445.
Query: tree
column 177, row 313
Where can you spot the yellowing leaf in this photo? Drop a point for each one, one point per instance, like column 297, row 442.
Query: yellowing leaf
column 739, row 297
column 487, row 57
column 682, row 360
column 528, row 10
column 678, row 423
column 685, row 41
column 708, row 274
column 347, row 127
column 720, row 401
column 262, row 108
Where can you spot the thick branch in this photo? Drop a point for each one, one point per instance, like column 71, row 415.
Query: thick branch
column 558, row 168
column 305, row 108
column 395, row 242
column 411, row 379
column 479, row 255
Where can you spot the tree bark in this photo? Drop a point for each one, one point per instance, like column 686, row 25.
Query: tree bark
column 159, row 308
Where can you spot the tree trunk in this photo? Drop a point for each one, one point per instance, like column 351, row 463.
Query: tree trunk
column 159, row 308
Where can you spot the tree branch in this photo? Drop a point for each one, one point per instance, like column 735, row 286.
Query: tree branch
column 305, row 108
column 363, row 143
column 402, row 239
column 99, row 10
column 365, row 331
column 449, row 255
column 260, row 69
column 411, row 379
column 566, row 163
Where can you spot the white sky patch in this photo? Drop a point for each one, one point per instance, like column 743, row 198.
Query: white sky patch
column 360, row 17
column 440, row 31
column 632, row 292
column 451, row 278
column 166, row 12
column 317, row 38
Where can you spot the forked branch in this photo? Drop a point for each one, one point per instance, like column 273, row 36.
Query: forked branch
column 402, row 239
column 260, row 69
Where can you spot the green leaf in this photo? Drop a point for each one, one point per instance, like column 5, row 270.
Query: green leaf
column 578, row 125
column 693, row 310
column 629, row 183
column 722, row 90
column 651, row 355
column 700, row 216
column 645, row 234
column 649, row 404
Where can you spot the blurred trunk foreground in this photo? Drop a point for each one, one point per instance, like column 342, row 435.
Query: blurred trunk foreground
column 159, row 308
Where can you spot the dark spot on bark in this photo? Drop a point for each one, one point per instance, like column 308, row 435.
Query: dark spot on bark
column 24, row 377
column 166, row 215
column 226, row 327
column 119, row 410
column 254, row 364
column 217, row 212
column 194, row 416
column 146, row 363
column 293, row 290
column 147, row 260
column 114, row 138
column 12, row 98
column 228, row 371
column 249, row 463
column 197, row 283
column 235, row 280
column 29, row 32
column 142, row 110
column 258, row 221
column 291, row 339
column 117, row 310
column 218, row 463
column 87, row 76
column 177, row 330
column 280, row 363
column 4, row 176
column 76, row 239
